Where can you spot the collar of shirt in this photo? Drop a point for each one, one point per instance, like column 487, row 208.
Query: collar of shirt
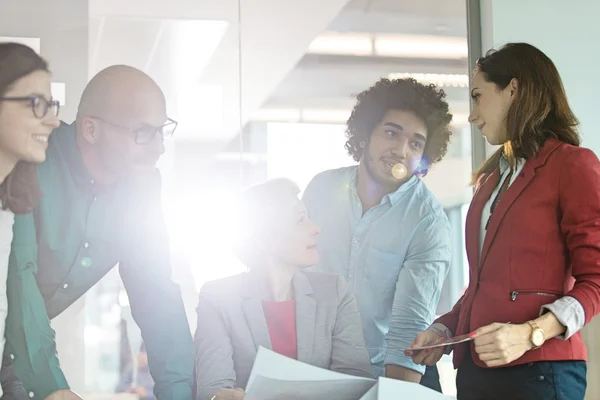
column 504, row 165
column 393, row 197
column 66, row 143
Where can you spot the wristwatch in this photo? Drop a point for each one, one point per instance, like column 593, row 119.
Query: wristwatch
column 537, row 337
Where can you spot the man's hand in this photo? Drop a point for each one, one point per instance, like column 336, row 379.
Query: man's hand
column 402, row 373
column 140, row 391
column 64, row 394
column 428, row 356
column 229, row 394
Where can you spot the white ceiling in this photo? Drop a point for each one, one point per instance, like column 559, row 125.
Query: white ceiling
column 195, row 48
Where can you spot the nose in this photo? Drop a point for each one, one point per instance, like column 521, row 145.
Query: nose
column 52, row 120
column 401, row 150
column 157, row 145
column 316, row 229
column 472, row 117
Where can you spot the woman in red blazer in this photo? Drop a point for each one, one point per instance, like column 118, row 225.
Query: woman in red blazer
column 532, row 238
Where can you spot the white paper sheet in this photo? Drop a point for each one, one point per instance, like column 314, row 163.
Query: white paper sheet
column 391, row 389
column 274, row 376
column 276, row 389
column 275, row 366
column 372, row 393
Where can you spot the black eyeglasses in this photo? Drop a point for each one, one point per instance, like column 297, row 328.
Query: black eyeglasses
column 39, row 105
column 146, row 134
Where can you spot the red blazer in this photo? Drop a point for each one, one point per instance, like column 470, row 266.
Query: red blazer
column 542, row 243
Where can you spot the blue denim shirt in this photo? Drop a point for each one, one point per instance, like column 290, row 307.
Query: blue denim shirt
column 395, row 258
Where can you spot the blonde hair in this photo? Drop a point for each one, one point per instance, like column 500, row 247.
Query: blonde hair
column 261, row 210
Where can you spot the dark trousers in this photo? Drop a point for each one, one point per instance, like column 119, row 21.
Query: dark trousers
column 431, row 378
column 544, row 380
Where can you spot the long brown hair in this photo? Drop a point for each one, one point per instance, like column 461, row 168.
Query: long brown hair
column 541, row 109
column 20, row 191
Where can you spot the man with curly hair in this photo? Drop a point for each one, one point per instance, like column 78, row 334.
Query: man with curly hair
column 389, row 237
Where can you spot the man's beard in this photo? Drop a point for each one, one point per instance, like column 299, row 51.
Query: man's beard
column 372, row 171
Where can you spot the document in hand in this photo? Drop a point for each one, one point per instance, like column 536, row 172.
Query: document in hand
column 392, row 389
column 275, row 377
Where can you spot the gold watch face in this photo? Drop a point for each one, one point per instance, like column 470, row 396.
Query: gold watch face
column 537, row 337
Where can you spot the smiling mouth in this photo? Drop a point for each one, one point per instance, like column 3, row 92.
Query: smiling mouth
column 41, row 138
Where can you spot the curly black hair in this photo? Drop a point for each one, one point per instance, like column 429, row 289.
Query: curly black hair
column 425, row 101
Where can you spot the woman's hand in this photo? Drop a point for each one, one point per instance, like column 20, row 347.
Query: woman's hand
column 427, row 356
column 63, row 394
column 500, row 344
column 229, row 394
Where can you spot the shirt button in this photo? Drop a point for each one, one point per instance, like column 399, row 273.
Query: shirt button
column 66, row 285
column 92, row 181
column 86, row 262
column 12, row 356
column 31, row 394
column 95, row 197
column 86, row 245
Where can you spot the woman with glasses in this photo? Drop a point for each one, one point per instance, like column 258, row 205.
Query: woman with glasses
column 27, row 117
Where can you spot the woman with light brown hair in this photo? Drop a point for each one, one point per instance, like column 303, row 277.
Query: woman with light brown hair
column 532, row 240
column 27, row 117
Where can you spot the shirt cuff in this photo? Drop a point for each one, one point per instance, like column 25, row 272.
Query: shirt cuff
column 444, row 332
column 393, row 358
column 569, row 312
column 441, row 330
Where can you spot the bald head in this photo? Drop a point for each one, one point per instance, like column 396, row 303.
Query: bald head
column 122, row 94
column 120, row 124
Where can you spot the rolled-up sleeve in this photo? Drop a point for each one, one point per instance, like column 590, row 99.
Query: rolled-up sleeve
column 418, row 288
column 569, row 312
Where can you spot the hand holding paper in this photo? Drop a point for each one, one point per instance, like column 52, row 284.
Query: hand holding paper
column 428, row 347
column 275, row 377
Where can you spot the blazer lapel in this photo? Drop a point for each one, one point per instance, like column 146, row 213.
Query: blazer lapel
column 473, row 222
column 254, row 314
column 306, row 311
column 514, row 190
column 507, row 199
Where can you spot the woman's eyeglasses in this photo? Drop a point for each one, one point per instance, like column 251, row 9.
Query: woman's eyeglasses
column 39, row 105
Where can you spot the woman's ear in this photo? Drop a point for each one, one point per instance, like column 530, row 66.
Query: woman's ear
column 514, row 88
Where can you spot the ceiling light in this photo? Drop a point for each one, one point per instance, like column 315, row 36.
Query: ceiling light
column 321, row 116
column 421, row 46
column 342, row 44
column 446, row 80
column 390, row 45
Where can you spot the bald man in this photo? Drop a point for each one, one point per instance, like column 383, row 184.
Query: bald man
column 101, row 207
